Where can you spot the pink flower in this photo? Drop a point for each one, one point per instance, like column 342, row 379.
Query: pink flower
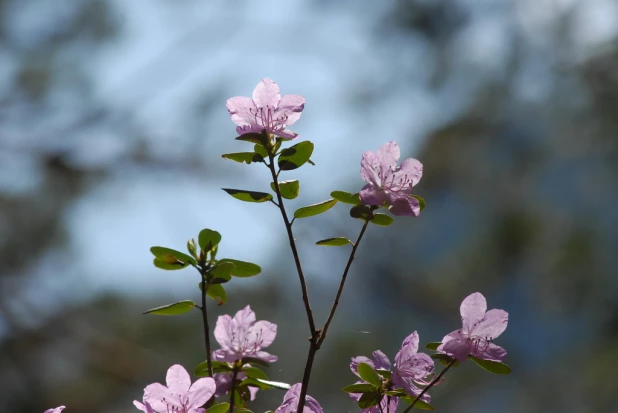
column 242, row 336
column 266, row 111
column 224, row 384
column 290, row 402
column 480, row 328
column 180, row 396
column 379, row 361
column 412, row 367
column 388, row 183
column 56, row 410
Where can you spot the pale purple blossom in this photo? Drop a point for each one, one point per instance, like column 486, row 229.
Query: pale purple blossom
column 378, row 361
column 412, row 368
column 290, row 402
column 388, row 183
column 479, row 328
column 242, row 336
column 267, row 110
column 179, row 396
column 55, row 410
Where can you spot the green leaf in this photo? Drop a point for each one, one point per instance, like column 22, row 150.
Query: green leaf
column 217, row 293
column 260, row 150
column 201, row 369
column 266, row 384
column 254, row 360
column 384, row 373
column 381, row 219
column 246, row 157
column 494, row 367
column 444, row 359
column 180, row 307
column 397, row 393
column 314, row 209
column 289, row 189
column 169, row 259
column 420, row 200
column 248, row 196
column 254, row 373
column 346, row 197
column 334, row 242
column 370, row 399
column 222, row 272
column 243, row 410
column 419, row 403
column 433, row 345
column 208, row 239
column 295, row 156
column 361, row 211
column 360, row 388
column 219, row 408
column 242, row 268
column 261, row 138
column 368, row 374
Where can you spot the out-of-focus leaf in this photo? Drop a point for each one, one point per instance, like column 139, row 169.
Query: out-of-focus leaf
column 219, row 408
column 242, row 268
column 346, row 197
column 360, row 388
column 494, row 367
column 248, row 196
column 314, row 209
column 180, row 307
column 334, row 242
column 381, row 219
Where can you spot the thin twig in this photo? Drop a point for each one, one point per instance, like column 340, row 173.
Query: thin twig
column 205, row 286
column 341, row 284
column 233, row 390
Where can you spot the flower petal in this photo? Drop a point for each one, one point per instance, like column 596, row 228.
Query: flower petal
column 244, row 318
column 493, row 352
column 472, row 310
column 369, row 168
column 178, row 380
column 291, row 106
column 456, row 346
column 223, row 381
column 262, row 334
column 412, row 342
column 373, row 195
column 266, row 93
column 267, row 357
column 201, row 391
column 223, row 331
column 492, row 325
column 358, row 360
column 388, row 155
column 154, row 394
column 404, row 206
column 410, row 170
column 240, row 109
column 380, row 360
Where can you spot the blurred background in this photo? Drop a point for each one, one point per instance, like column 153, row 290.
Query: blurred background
column 113, row 121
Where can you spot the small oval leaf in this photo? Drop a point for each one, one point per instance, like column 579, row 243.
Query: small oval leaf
column 246, row 157
column 180, row 307
column 369, row 374
column 433, row 345
column 254, row 372
column 314, row 209
column 346, row 197
column 295, row 156
column 260, row 150
column 494, row 367
column 201, row 370
column 217, row 293
column 243, row 268
column 175, row 259
column 208, row 239
column 219, row 408
column 222, row 272
column 248, row 196
column 362, row 212
column 261, row 138
column 369, row 399
column 419, row 403
column 334, row 242
column 360, row 388
column 381, row 219
column 421, row 201
column 289, row 189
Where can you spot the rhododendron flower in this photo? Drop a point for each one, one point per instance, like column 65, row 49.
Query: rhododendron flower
column 480, row 328
column 379, row 361
column 55, row 410
column 242, row 336
column 388, row 183
column 290, row 402
column 412, row 367
column 266, row 111
column 180, row 396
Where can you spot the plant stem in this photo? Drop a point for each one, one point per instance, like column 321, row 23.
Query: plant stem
column 315, row 334
column 204, row 288
column 430, row 385
column 341, row 285
column 233, row 389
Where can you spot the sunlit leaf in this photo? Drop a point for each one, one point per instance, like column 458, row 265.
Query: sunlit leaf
column 346, row 197
column 208, row 239
column 219, row 408
column 381, row 219
column 433, row 345
column 295, row 156
column 367, row 373
column 222, row 272
column 246, row 157
column 494, row 367
column 360, row 388
column 314, row 209
column 242, row 268
column 248, row 196
column 180, row 307
column 334, row 242
column 289, row 189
